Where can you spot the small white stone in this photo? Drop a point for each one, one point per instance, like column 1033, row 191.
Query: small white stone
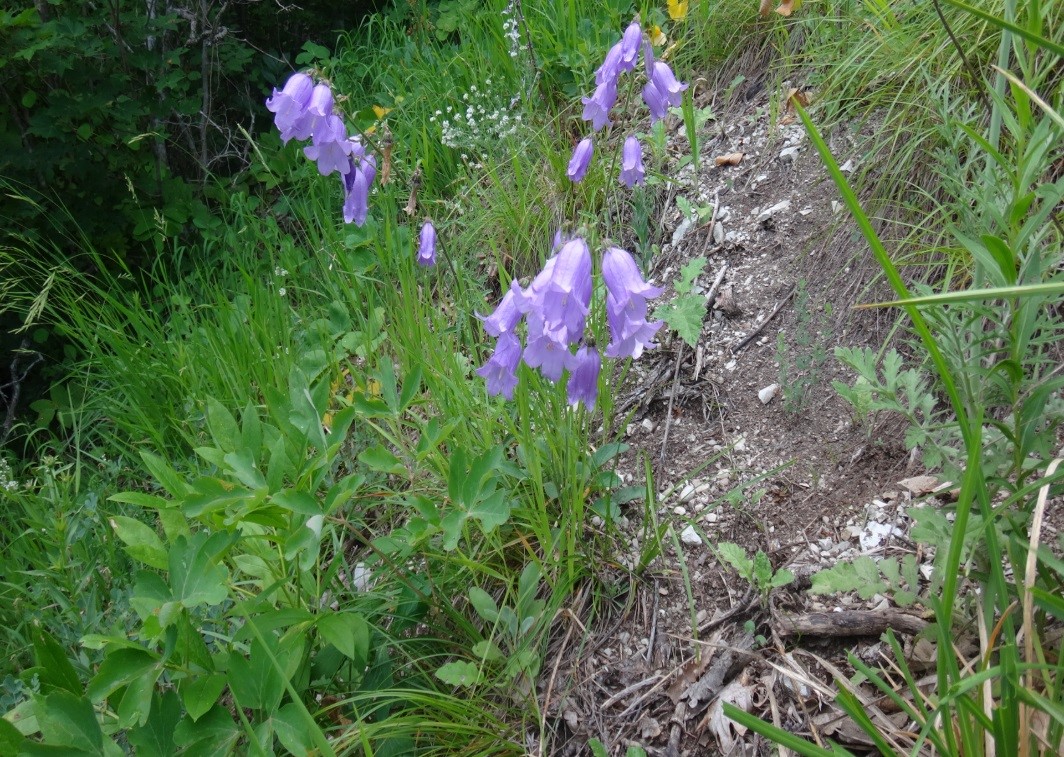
column 711, row 517
column 836, row 206
column 766, row 394
column 718, row 233
column 647, row 424
column 687, row 492
column 730, row 365
column 779, row 207
column 789, row 154
column 681, row 231
column 680, row 510
column 690, row 536
column 847, row 167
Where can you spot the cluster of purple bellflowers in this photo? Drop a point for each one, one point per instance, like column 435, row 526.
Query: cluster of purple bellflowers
column 661, row 90
column 555, row 308
column 304, row 110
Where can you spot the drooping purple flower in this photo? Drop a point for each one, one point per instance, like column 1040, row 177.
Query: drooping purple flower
column 597, row 107
column 562, row 299
column 369, row 168
column 581, row 159
column 665, row 82
column 357, row 182
column 500, row 372
column 611, row 65
column 632, row 171
column 656, row 102
column 318, row 110
column 331, row 148
column 583, row 381
column 551, row 356
column 626, row 308
column 630, row 44
column 290, row 103
column 426, row 251
column 508, row 314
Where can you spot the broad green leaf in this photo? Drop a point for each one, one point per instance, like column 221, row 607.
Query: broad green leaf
column 118, row 669
column 378, row 458
column 142, row 543
column 484, row 604
column 456, row 475
column 488, row 652
column 348, row 632
column 607, row 452
column 762, row 570
column 156, row 737
column 141, row 499
column 222, row 425
column 10, row 738
column 411, row 386
column 135, row 707
column 70, row 721
column 782, row 578
column 167, row 477
column 245, row 469
column 459, row 674
column 52, row 659
column 688, row 274
column 213, row 734
column 492, row 512
column 735, row 556
column 250, row 429
column 597, row 748
column 201, row 693
column 290, row 726
column 195, row 572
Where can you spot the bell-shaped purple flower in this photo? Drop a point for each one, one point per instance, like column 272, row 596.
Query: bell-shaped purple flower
column 563, row 299
column 665, row 82
column 581, row 159
column 500, row 372
column 611, row 66
column 632, row 170
column 630, row 44
column 331, row 148
column 318, row 110
column 550, row 355
column 290, row 103
column 597, row 107
column 626, row 305
column 426, row 249
column 508, row 314
column 357, row 182
column 656, row 102
column 583, row 381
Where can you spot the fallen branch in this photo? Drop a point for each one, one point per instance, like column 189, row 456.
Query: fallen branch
column 848, row 623
column 779, row 306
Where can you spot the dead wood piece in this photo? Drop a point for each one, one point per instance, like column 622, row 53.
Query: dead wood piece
column 779, row 306
column 848, row 623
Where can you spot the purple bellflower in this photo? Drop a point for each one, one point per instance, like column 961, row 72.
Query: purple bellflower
column 632, row 171
column 626, row 305
column 583, row 381
column 656, row 102
column 665, row 82
column 562, row 298
column 597, row 107
column 630, row 44
column 330, row 147
column 290, row 103
column 317, row 112
column 426, row 251
column 500, row 372
column 543, row 351
column 581, row 159
column 611, row 65
column 357, row 182
column 508, row 314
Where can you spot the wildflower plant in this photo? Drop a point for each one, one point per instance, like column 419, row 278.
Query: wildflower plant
column 662, row 90
column 304, row 110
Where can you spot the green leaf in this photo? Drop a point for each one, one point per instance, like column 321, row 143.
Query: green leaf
column 167, row 477
column 411, row 387
column 378, row 458
column 688, row 274
column 195, row 573
column 597, row 748
column 142, row 543
column 484, row 604
column 214, row 734
column 684, row 316
column 762, row 571
column 492, row 512
column 348, row 632
column 296, row 501
column 117, row 670
column 56, row 672
column 736, row 556
column 135, row 707
column 141, row 499
column 250, row 429
column 782, row 578
column 70, row 721
column 201, row 693
column 245, row 469
column 156, row 737
column 459, row 674
column 291, row 729
column 222, row 425
column 10, row 739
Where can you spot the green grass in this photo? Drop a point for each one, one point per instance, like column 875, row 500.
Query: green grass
column 306, row 398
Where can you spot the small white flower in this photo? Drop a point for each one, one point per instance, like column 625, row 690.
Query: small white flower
column 282, row 291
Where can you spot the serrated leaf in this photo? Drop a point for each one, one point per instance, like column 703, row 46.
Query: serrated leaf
column 142, row 543
column 762, row 570
column 688, row 274
column 735, row 556
column 459, row 674
column 684, row 316
column 782, row 578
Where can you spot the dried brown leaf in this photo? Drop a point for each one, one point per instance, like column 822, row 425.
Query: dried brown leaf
column 737, row 693
column 766, row 7
column 786, row 8
column 731, row 159
column 919, row 484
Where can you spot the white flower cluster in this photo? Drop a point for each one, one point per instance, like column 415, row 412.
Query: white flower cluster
column 480, row 123
column 7, row 483
column 510, row 28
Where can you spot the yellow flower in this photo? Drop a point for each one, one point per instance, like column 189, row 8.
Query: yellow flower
column 657, row 37
column 677, row 9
